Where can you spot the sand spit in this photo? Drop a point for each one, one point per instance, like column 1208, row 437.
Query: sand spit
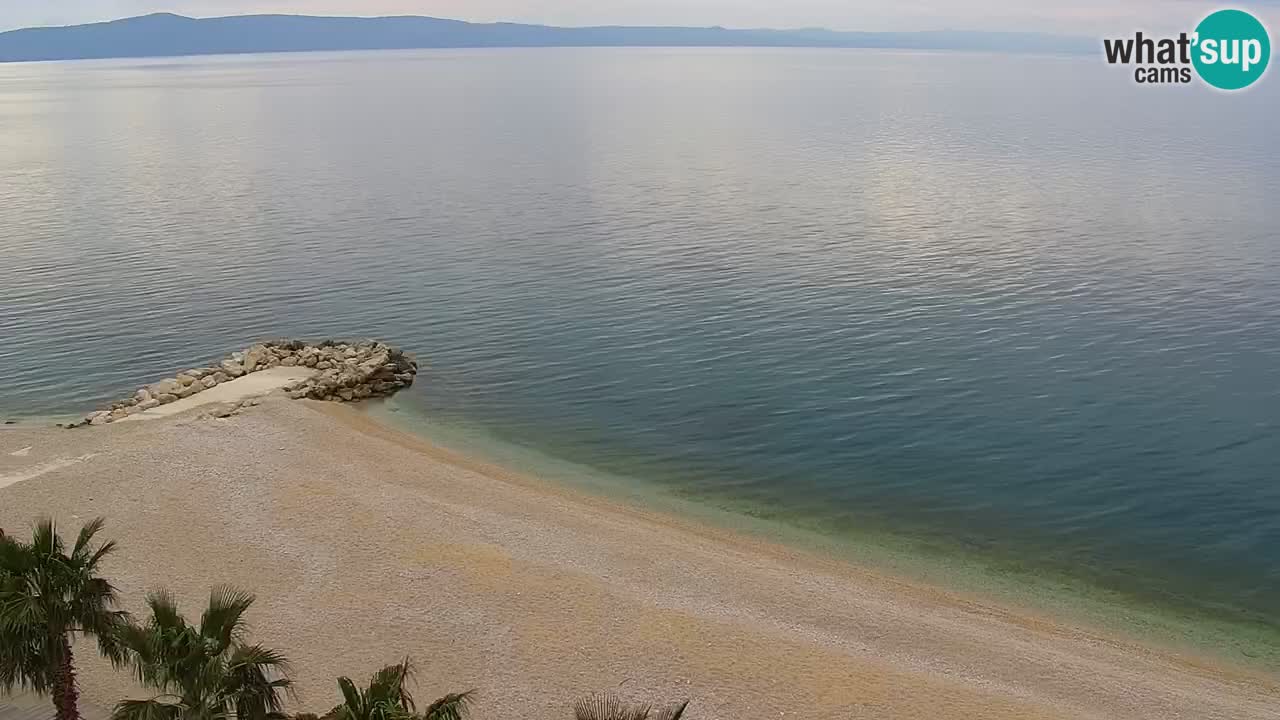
column 331, row 370
column 245, row 387
column 365, row 544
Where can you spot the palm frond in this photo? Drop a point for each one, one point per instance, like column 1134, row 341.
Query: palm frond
column 20, row 601
column 607, row 706
column 257, row 706
column 257, row 658
column 92, row 605
column 450, row 707
column 256, row 677
column 14, row 557
column 137, row 641
column 153, row 709
column 164, row 611
column 224, row 618
column 390, row 686
column 44, row 539
column 216, row 675
column 675, row 712
column 46, row 597
column 107, row 629
column 81, row 552
column 96, row 558
column 151, row 649
column 23, row 663
column 352, row 707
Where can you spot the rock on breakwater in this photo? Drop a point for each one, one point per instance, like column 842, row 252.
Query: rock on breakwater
column 340, row 372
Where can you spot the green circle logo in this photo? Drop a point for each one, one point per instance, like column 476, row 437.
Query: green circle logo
column 1232, row 49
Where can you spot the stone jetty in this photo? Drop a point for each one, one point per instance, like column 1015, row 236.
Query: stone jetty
column 342, row 372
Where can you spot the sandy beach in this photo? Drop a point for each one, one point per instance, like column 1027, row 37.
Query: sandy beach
column 365, row 544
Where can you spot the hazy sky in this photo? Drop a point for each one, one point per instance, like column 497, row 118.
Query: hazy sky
column 1093, row 17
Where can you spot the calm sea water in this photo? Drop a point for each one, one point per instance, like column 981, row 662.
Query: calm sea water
column 1016, row 305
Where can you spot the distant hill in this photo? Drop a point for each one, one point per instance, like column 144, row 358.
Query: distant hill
column 167, row 35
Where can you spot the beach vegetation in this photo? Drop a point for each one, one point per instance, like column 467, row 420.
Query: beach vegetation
column 48, row 597
column 207, row 671
column 609, row 706
column 203, row 671
column 387, row 697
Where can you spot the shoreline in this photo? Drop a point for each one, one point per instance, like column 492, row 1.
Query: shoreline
column 1232, row 637
column 1228, row 636
column 543, row 591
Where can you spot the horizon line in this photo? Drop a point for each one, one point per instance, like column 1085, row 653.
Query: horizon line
column 810, row 28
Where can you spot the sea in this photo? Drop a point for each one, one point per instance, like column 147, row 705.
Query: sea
column 1014, row 315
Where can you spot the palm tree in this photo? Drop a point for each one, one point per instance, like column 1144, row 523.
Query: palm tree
column 203, row 673
column 611, row 707
column 47, row 598
column 387, row 698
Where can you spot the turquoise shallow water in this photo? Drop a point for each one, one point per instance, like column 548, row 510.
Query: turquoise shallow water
column 1010, row 309
column 1006, row 579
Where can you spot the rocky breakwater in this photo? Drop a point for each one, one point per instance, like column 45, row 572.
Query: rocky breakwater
column 337, row 371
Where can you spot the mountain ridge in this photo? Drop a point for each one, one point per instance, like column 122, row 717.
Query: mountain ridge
column 169, row 34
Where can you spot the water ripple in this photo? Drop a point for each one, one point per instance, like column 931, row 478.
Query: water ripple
column 995, row 317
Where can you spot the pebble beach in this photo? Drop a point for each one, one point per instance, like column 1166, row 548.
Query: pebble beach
column 365, row 544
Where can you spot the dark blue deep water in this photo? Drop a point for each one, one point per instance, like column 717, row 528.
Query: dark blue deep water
column 1018, row 306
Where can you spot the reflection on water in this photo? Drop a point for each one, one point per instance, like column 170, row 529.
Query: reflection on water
column 1009, row 303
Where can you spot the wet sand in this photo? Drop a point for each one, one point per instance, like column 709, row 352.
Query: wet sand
column 365, row 544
